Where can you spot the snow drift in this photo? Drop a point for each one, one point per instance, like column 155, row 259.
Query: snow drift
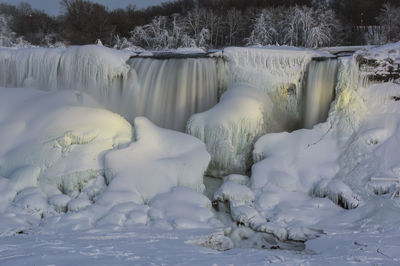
column 158, row 160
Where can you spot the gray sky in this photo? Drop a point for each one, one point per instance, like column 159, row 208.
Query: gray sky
column 52, row 7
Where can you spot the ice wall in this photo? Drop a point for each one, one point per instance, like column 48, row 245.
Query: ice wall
column 166, row 91
column 319, row 91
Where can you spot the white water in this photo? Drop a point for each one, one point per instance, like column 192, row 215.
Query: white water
column 319, row 91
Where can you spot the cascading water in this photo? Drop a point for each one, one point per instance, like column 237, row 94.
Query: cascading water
column 166, row 91
column 319, row 91
column 169, row 91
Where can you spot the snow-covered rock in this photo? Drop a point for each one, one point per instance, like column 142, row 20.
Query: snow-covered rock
column 235, row 194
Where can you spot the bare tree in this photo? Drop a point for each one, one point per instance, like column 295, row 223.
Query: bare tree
column 389, row 18
column 233, row 23
column 7, row 37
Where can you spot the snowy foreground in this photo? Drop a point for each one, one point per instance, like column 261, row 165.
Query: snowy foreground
column 79, row 184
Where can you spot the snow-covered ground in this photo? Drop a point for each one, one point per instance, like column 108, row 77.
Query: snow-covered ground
column 79, row 184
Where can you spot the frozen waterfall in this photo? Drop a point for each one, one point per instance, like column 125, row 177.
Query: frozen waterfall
column 319, row 91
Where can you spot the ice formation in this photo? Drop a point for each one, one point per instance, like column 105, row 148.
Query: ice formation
column 266, row 93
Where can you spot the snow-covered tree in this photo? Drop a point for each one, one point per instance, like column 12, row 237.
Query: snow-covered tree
column 7, row 37
column 264, row 31
column 324, row 28
column 310, row 28
column 164, row 33
column 153, row 35
column 124, row 44
column 233, row 23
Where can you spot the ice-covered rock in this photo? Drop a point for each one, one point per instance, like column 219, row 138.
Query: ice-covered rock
column 338, row 192
column 158, row 160
column 235, row 194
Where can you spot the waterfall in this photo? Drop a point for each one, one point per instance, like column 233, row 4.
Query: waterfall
column 169, row 91
column 319, row 91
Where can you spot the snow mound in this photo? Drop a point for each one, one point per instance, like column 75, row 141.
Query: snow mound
column 158, row 160
column 49, row 142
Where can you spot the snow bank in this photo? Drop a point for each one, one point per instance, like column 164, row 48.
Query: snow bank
column 158, row 160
